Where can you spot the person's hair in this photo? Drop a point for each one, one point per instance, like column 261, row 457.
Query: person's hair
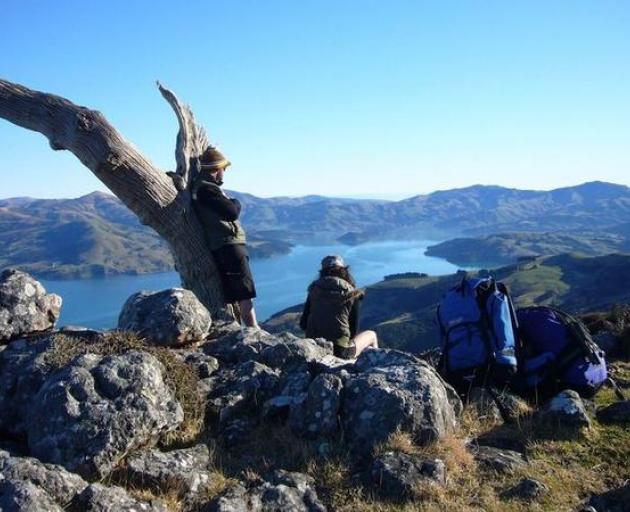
column 341, row 272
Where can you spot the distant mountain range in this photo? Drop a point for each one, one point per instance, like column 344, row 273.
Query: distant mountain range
column 97, row 235
column 401, row 309
column 475, row 210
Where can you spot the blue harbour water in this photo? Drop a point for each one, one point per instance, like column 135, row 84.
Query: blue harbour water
column 280, row 281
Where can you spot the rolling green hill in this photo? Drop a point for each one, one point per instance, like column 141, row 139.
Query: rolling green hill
column 506, row 248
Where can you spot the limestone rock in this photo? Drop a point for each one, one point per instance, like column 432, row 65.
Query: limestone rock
column 99, row 498
column 409, row 396
column 485, row 405
column 241, row 345
column 204, row 364
column 398, row 474
column 23, row 370
column 498, row 460
column 168, row 318
column 566, row 410
column 25, row 307
column 185, row 470
column 284, row 491
column 619, row 412
column 319, row 414
column 294, row 353
column 59, row 484
column 91, row 413
column 245, row 387
column 527, row 489
column 23, row 496
column 294, row 390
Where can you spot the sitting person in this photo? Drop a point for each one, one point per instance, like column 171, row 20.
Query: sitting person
column 332, row 310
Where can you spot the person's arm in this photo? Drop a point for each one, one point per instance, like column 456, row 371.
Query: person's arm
column 305, row 313
column 212, row 197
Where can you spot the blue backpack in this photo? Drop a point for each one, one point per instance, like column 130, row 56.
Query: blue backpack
column 477, row 326
column 558, row 353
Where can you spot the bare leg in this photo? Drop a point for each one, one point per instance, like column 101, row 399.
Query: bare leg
column 364, row 340
column 248, row 314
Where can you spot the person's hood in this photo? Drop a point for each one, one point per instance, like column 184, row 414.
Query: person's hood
column 333, row 288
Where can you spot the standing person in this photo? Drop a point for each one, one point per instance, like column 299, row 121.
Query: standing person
column 224, row 234
column 332, row 310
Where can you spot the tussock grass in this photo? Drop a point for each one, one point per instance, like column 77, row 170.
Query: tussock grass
column 179, row 376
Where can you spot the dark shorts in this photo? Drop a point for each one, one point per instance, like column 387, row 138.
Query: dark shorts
column 236, row 277
column 345, row 352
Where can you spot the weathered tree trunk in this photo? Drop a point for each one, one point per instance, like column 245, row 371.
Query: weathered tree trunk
column 161, row 200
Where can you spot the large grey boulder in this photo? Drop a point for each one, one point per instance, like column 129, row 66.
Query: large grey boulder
column 293, row 353
column 407, row 395
column 23, row 370
column 167, row 318
column 24, row 496
column 91, row 413
column 283, row 491
column 242, row 389
column 318, row 414
column 397, row 475
column 25, row 307
column 184, row 470
column 99, row 498
column 240, row 345
column 59, row 484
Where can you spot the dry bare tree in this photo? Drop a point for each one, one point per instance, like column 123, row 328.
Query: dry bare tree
column 162, row 200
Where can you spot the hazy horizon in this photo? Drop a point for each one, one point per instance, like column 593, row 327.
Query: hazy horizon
column 367, row 197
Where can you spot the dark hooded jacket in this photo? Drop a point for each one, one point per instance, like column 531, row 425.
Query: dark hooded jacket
column 331, row 310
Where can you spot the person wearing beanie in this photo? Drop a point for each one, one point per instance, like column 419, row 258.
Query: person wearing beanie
column 331, row 310
column 224, row 234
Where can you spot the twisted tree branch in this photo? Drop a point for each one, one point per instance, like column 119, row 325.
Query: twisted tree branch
column 140, row 185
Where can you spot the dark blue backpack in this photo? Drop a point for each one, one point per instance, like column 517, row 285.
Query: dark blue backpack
column 477, row 326
column 557, row 353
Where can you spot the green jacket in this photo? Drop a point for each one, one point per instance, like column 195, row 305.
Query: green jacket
column 329, row 307
column 218, row 231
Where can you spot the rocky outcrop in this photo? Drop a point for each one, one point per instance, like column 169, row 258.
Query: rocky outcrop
column 25, row 307
column 566, row 411
column 398, row 475
column 293, row 492
column 20, row 495
column 395, row 392
column 167, row 318
column 318, row 415
column 23, row 370
column 89, row 414
column 619, row 412
column 184, row 471
column 58, row 484
column 100, row 498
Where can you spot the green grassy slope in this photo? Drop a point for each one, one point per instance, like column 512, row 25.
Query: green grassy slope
column 507, row 248
column 402, row 311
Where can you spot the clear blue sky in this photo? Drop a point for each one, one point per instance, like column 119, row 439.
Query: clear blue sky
column 335, row 97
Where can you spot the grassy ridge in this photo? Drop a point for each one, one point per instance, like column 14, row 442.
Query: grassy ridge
column 402, row 311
